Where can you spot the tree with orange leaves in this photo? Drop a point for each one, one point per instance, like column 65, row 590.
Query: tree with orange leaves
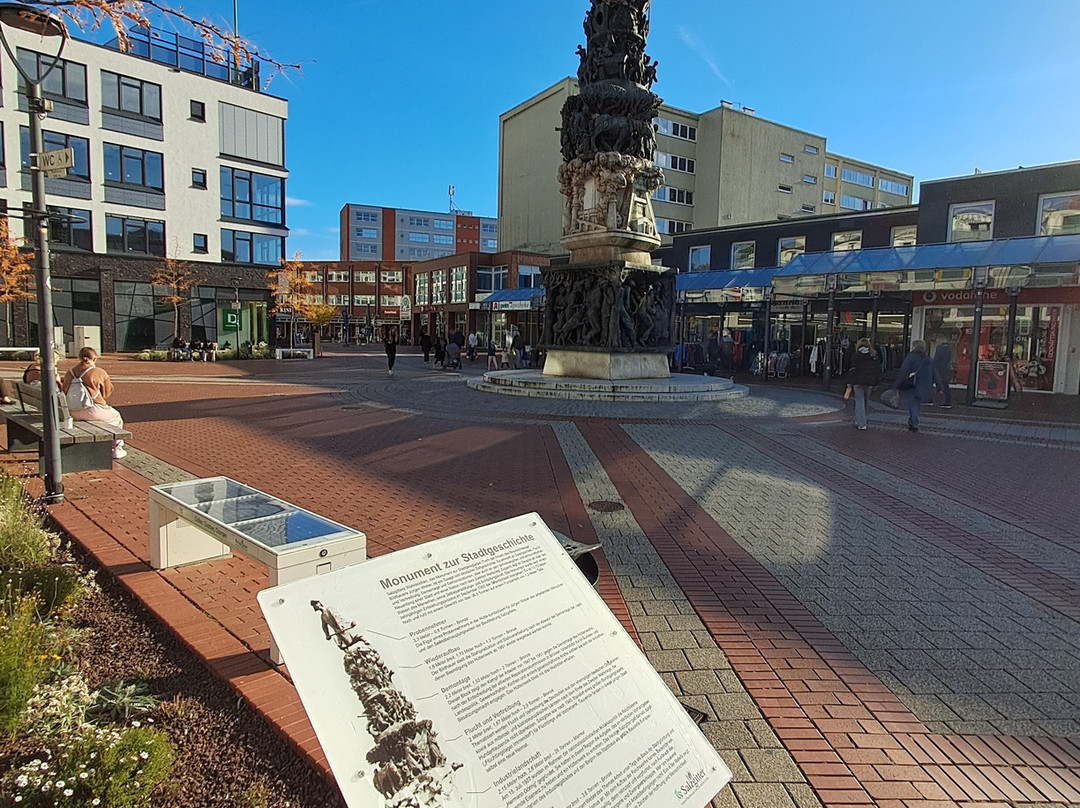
column 293, row 290
column 122, row 15
column 178, row 278
column 16, row 271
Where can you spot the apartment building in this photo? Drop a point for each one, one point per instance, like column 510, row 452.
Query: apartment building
column 372, row 233
column 176, row 156
column 725, row 166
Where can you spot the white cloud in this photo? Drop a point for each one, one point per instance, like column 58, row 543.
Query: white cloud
column 296, row 203
column 691, row 42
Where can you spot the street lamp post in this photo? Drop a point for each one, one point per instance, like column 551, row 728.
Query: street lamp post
column 236, row 312
column 27, row 18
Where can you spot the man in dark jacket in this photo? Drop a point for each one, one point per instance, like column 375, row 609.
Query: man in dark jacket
column 864, row 373
column 425, row 345
column 916, row 380
column 712, row 354
column 943, row 372
column 727, row 355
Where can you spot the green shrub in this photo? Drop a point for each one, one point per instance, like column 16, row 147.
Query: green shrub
column 24, row 542
column 99, row 767
column 25, row 659
column 120, row 702
column 57, row 709
column 152, row 355
column 54, row 587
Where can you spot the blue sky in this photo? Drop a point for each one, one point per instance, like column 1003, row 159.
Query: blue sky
column 396, row 101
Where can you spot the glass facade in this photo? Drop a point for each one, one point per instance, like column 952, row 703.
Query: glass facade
column 75, row 302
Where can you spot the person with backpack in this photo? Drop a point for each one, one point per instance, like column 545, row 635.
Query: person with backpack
column 915, row 380
column 864, row 374
column 87, row 387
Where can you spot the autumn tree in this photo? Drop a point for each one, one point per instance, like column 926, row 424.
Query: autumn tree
column 16, row 272
column 178, row 277
column 122, row 15
column 320, row 315
column 293, row 291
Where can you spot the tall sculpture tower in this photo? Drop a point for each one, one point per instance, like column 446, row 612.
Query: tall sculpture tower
column 609, row 312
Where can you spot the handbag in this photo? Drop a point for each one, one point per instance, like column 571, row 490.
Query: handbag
column 891, row 398
column 909, row 382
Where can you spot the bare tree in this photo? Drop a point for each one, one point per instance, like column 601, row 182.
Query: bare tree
column 179, row 277
column 121, row 15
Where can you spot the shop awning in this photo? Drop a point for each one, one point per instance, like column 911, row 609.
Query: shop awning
column 512, row 295
column 724, row 279
column 1038, row 250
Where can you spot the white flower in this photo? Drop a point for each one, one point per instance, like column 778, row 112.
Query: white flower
column 96, row 801
column 136, row 724
column 22, row 780
column 144, row 755
column 60, row 783
column 68, row 792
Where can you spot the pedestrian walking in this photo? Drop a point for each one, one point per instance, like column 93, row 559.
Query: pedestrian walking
column 863, row 375
column 517, row 345
column 473, row 342
column 390, row 340
column 915, row 381
column 493, row 360
column 727, row 355
column 943, row 372
column 425, row 345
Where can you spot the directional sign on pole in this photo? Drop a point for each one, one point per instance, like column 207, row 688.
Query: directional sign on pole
column 56, row 163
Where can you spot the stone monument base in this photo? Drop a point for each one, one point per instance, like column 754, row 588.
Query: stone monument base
column 603, row 365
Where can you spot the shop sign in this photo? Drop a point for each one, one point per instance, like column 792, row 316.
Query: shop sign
column 960, row 297
column 1052, row 335
column 474, row 306
column 511, row 305
column 425, row 309
column 992, row 381
column 787, row 305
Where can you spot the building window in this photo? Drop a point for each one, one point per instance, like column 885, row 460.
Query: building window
column 390, row 300
column 419, row 221
column 337, row 277
column 857, row 177
column 54, row 140
column 363, row 277
column 366, row 249
column 419, row 252
column 787, row 158
column 421, row 285
column 680, row 196
column 828, row 197
column 742, row 255
column 784, row 189
column 123, row 235
column 673, row 129
column 390, row 276
column 971, row 221
column 127, row 165
column 198, row 111
column 130, row 95
column 788, row 248
column 1059, row 214
column 198, row 178
column 674, row 162
column 498, row 275
column 438, row 238
column 830, row 170
column 700, row 258
column 366, row 216
column 438, row 287
column 488, row 228
column 67, row 80
column 854, row 203
column 68, row 226
column 252, row 197
column 367, row 232
column 489, row 244
column 808, row 209
column 483, row 279
column 847, row 240
column 673, row 226
column 251, row 248
column 809, row 149
column 529, row 277
column 199, row 243
column 903, row 235
column 809, row 179
column 364, row 300
column 458, row 284
column 891, row 187
column 419, row 238
column 443, row 224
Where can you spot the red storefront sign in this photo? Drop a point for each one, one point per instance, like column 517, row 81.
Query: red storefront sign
column 997, row 297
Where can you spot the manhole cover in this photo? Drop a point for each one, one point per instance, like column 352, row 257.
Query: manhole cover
column 606, row 506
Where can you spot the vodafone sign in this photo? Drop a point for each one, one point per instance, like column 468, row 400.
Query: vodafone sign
column 959, row 297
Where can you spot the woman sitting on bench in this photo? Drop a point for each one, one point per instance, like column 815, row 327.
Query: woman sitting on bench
column 99, row 387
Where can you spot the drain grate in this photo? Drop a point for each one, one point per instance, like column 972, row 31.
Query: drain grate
column 606, row 506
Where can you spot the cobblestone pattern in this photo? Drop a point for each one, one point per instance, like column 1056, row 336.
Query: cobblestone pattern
column 683, row 651
column 963, row 651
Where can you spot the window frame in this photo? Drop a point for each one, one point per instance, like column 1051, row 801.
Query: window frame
column 1040, row 226
column 134, row 154
column 125, row 229
column 197, row 110
column 952, row 219
column 837, row 236
column 120, row 108
column 204, row 248
column 780, row 248
column 734, row 263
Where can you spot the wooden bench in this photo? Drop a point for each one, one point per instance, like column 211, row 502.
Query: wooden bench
column 17, row 353
column 84, row 446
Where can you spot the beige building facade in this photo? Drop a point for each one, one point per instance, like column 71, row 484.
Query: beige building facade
column 722, row 167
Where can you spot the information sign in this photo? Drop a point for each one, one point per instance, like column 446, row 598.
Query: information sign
column 232, row 318
column 56, row 163
column 992, row 381
column 483, row 670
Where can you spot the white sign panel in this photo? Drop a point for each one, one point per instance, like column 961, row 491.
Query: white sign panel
column 56, row 163
column 482, row 671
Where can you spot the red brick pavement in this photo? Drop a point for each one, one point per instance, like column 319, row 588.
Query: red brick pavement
column 854, row 740
column 405, row 479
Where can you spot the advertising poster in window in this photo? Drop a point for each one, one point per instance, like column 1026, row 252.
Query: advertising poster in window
column 483, row 671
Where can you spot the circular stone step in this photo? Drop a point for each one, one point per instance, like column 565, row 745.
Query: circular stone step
column 677, row 387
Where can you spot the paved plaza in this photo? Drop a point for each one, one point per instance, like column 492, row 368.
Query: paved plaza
column 865, row 618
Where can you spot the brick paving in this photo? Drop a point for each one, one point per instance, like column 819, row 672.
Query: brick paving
column 869, row 618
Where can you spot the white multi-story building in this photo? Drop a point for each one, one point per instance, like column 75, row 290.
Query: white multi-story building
column 176, row 156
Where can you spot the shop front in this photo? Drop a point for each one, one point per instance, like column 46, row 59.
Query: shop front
column 523, row 308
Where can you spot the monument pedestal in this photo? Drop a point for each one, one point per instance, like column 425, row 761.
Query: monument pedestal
column 602, row 365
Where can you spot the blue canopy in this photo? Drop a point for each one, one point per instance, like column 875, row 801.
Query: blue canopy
column 507, row 295
column 724, row 279
column 1000, row 252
